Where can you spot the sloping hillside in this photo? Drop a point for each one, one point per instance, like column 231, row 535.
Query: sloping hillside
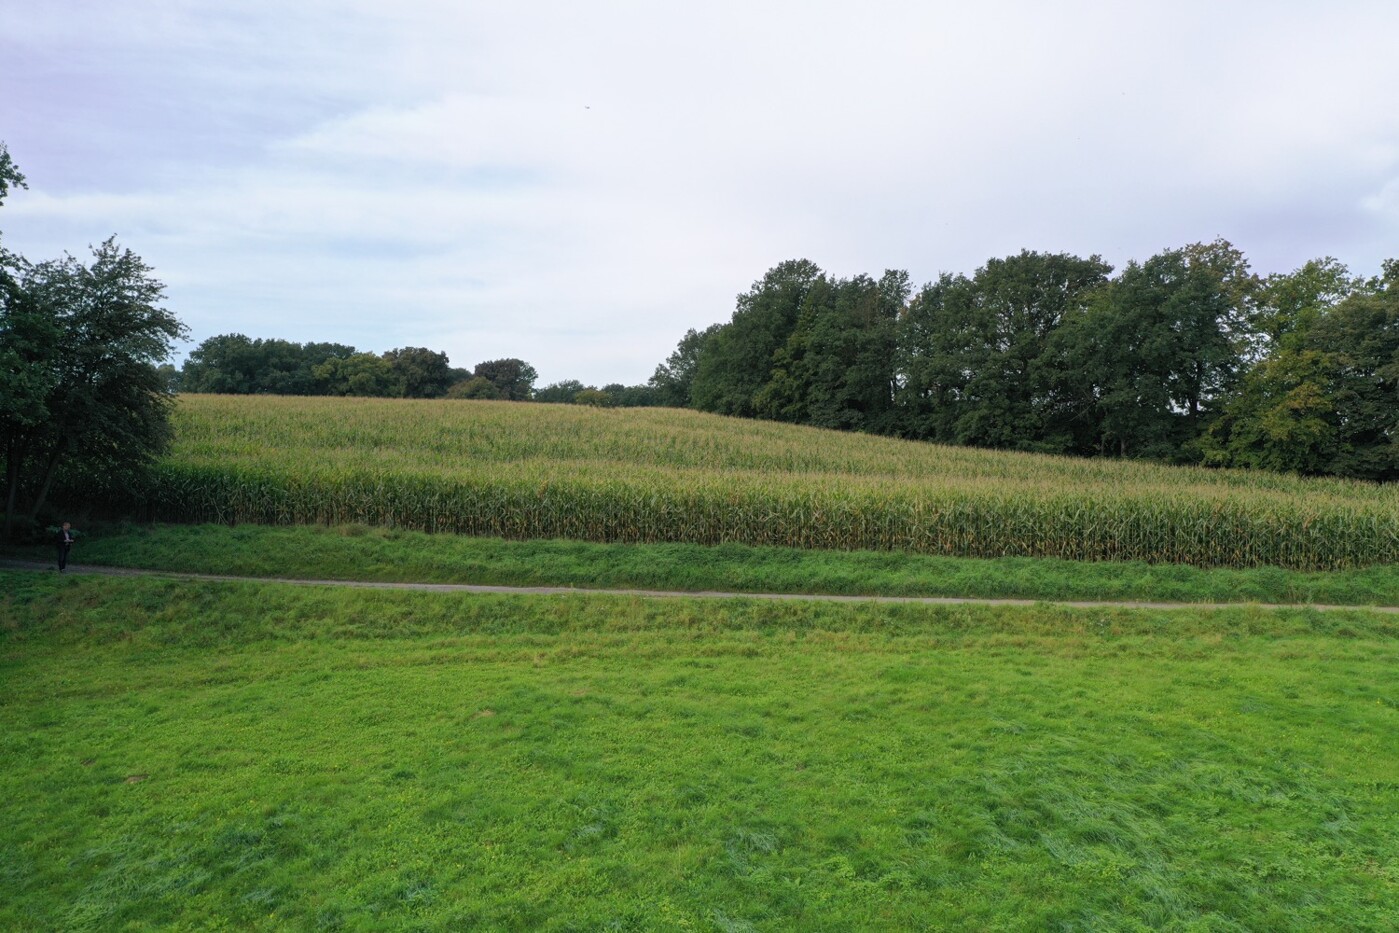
column 529, row 470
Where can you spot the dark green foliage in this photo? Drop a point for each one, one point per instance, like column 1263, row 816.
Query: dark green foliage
column 170, row 376
column 612, row 395
column 560, row 392
column 838, row 368
column 1359, row 341
column 737, row 361
column 594, row 398
column 236, row 365
column 1149, row 356
column 1288, row 304
column 29, row 334
column 80, row 345
column 81, row 398
column 476, row 387
column 934, row 331
column 417, row 372
column 674, row 379
column 358, row 374
column 10, row 175
column 1281, row 418
column 974, row 353
column 1326, row 397
column 1186, row 357
column 512, row 378
column 624, row 396
column 802, row 347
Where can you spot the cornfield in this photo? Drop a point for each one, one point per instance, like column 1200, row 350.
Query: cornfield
column 662, row 475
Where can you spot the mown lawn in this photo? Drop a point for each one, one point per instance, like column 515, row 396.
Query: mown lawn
column 246, row 756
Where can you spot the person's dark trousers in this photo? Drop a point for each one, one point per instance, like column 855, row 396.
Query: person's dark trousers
column 63, row 550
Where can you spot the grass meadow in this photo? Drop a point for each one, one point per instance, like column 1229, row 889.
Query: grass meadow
column 202, row 755
column 257, row 756
column 536, row 471
column 361, row 552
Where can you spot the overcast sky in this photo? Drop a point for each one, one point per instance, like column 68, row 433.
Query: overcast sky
column 577, row 184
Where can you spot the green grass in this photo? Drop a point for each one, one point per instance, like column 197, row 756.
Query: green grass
column 255, row 756
column 362, row 553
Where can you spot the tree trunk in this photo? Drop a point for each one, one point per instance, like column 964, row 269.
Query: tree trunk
column 12, row 458
column 49, row 470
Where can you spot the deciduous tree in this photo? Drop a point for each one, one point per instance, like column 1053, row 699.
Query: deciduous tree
column 674, row 378
column 235, row 364
column 477, row 387
column 738, row 359
column 975, row 352
column 418, row 372
column 1151, row 353
column 104, row 416
column 359, row 374
column 1283, row 415
column 513, row 378
column 560, row 392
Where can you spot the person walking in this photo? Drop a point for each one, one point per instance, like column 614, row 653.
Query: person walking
column 65, row 544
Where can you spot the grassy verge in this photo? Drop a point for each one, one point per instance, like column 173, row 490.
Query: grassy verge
column 360, row 553
column 255, row 756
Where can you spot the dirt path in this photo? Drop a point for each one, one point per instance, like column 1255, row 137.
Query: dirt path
column 7, row 564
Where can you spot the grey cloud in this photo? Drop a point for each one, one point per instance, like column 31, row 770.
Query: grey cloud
column 578, row 184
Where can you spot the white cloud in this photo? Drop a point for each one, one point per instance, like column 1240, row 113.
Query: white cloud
column 578, row 184
column 1385, row 202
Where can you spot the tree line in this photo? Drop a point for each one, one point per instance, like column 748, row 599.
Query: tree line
column 1186, row 357
column 238, row 365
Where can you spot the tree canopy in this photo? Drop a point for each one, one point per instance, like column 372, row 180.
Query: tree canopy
column 1186, row 356
column 86, row 402
column 82, row 400
column 513, row 379
column 236, row 365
